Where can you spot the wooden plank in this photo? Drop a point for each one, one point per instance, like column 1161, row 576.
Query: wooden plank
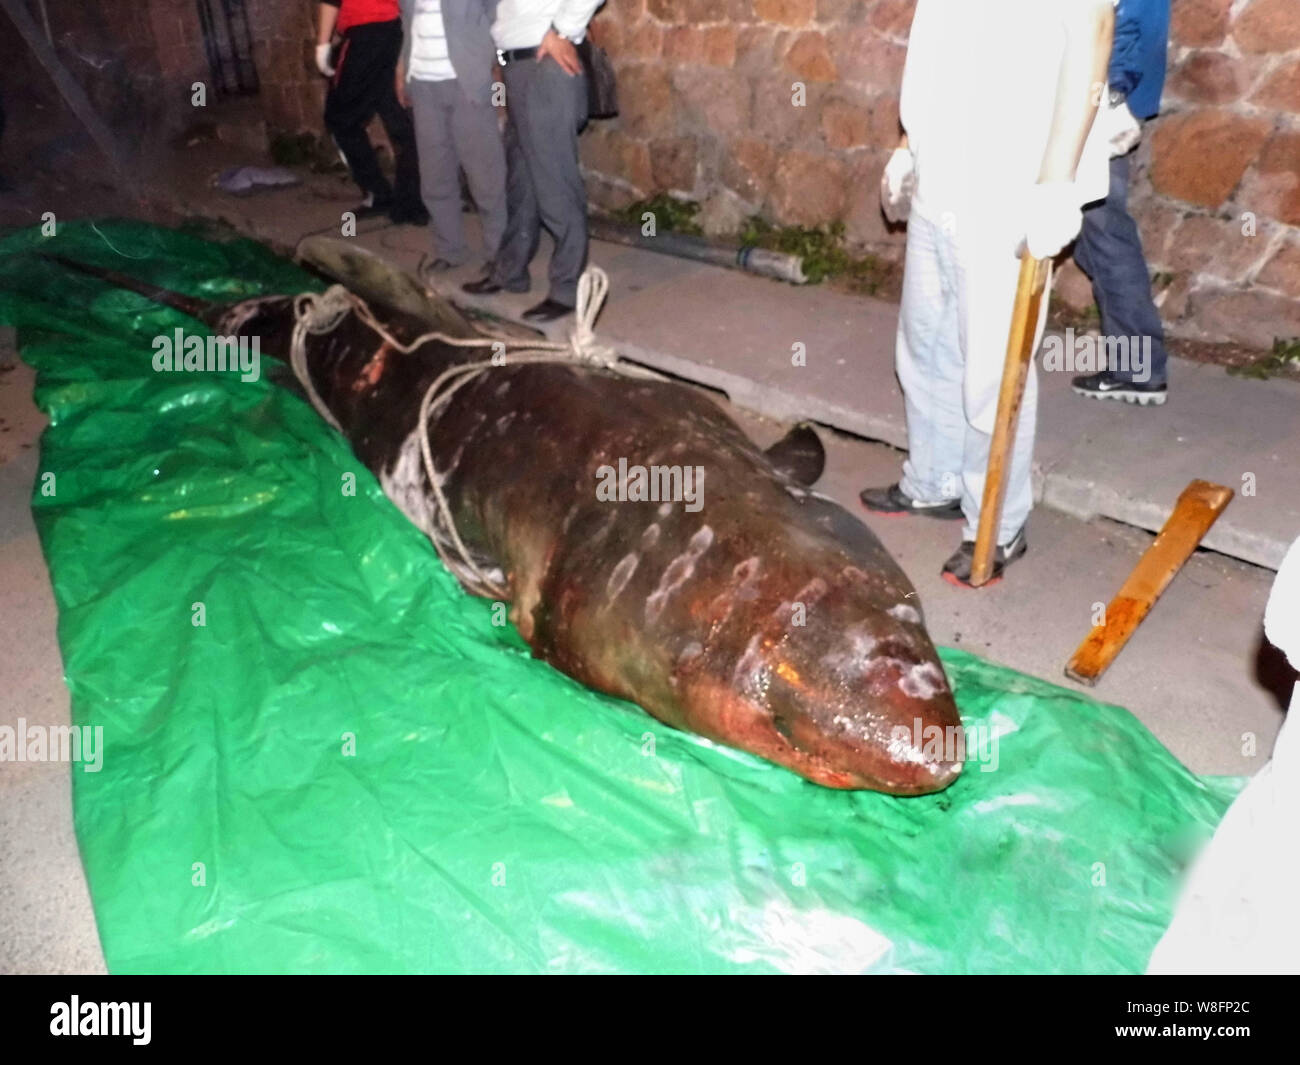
column 1030, row 288
column 1197, row 509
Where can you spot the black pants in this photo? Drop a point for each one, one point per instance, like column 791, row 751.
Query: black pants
column 363, row 86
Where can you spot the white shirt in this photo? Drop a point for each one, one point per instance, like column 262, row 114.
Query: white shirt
column 978, row 95
column 429, row 58
column 523, row 23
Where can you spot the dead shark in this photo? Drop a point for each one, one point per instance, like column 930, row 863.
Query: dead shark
column 755, row 612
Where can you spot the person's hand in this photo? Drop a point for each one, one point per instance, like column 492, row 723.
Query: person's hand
column 1052, row 218
column 1123, row 130
column 323, row 60
column 399, row 86
column 562, row 50
column 897, row 184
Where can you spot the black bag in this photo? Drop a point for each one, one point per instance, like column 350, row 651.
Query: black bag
column 602, row 92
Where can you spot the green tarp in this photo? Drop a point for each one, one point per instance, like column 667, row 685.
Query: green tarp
column 349, row 767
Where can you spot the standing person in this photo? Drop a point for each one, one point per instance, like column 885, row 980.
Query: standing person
column 4, row 183
column 1236, row 912
column 546, row 106
column 1109, row 249
column 445, row 74
column 361, row 86
column 998, row 102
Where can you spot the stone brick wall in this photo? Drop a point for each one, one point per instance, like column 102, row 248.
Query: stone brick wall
column 178, row 48
column 284, row 35
column 138, row 59
column 291, row 93
column 1219, row 200
column 708, row 114
column 109, row 48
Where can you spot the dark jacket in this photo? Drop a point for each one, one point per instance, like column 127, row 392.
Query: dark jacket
column 1138, row 56
column 468, row 24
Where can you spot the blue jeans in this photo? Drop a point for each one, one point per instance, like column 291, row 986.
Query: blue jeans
column 1109, row 251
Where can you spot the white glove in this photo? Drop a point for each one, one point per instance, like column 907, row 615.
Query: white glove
column 323, row 60
column 897, row 184
column 1123, row 130
column 1052, row 218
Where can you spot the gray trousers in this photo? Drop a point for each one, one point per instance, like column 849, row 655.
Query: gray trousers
column 452, row 132
column 546, row 107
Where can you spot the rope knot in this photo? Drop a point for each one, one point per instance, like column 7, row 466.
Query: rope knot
column 321, row 312
column 593, row 287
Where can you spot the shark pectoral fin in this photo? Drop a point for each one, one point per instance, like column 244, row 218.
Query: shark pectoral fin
column 799, row 455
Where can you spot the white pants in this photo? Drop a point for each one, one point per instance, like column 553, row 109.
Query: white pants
column 953, row 325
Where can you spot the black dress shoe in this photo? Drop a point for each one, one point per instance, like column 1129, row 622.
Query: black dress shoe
column 409, row 214
column 484, row 286
column 547, row 311
column 370, row 207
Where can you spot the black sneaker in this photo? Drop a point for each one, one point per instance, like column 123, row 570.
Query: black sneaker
column 1106, row 385
column 893, row 500
column 957, row 569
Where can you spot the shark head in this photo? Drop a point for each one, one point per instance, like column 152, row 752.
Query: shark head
column 844, row 692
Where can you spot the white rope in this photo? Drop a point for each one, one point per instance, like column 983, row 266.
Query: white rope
column 316, row 313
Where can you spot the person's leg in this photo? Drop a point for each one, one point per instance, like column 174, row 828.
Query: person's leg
column 523, row 221
column 478, row 145
column 1019, row 498
column 1085, row 245
column 5, row 186
column 350, row 104
column 987, row 294
column 432, row 104
column 397, row 122
column 1109, row 251
column 555, row 109
column 928, row 361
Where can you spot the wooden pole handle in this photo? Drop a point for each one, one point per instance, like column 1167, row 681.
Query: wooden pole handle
column 1015, row 372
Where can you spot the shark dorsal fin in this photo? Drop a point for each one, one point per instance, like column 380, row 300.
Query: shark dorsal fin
column 799, row 455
